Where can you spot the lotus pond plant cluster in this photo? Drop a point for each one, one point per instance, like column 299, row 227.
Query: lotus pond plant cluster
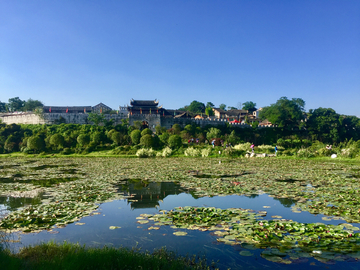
column 329, row 187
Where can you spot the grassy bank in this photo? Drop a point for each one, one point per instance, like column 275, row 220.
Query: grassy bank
column 73, row 256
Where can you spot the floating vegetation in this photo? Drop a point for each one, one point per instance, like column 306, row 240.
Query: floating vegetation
column 283, row 241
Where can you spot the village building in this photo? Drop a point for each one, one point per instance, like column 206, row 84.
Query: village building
column 67, row 109
column 145, row 107
column 238, row 115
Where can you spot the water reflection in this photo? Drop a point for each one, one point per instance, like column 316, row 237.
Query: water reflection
column 13, row 203
column 286, row 202
column 146, row 194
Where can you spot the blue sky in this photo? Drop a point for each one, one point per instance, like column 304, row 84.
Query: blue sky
column 85, row 52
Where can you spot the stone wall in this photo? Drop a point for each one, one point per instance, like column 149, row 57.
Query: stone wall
column 153, row 120
column 21, row 118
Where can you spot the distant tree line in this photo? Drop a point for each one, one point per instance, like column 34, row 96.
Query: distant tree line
column 16, row 104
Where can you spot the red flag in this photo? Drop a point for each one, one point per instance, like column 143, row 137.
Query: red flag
column 67, row 110
column 84, row 110
column 140, row 111
column 101, row 110
column 50, row 109
column 163, row 113
column 157, row 111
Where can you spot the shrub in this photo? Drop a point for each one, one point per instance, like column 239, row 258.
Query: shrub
column 205, row 152
column 57, row 140
column 213, row 133
column 97, row 137
column 35, row 143
column 83, row 139
column 166, row 152
column 243, row 146
column 147, row 141
column 66, row 151
column 192, row 152
column 349, row 152
column 135, row 136
column 146, row 131
column 305, row 152
column 116, row 137
column 143, row 153
column 174, row 141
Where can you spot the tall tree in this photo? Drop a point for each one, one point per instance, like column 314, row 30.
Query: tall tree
column 196, row 107
column 31, row 105
column 210, row 104
column 222, row 106
column 323, row 125
column 249, row 106
column 285, row 112
column 2, row 106
column 15, row 104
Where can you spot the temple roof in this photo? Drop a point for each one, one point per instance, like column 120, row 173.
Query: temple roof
column 144, row 103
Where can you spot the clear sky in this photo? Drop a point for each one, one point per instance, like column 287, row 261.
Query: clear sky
column 74, row 52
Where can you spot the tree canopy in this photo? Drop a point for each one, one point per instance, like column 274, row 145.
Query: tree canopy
column 284, row 112
column 249, row 106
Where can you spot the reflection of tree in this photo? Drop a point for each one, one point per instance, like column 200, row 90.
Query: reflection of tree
column 286, row 202
column 252, row 196
column 148, row 194
column 13, row 203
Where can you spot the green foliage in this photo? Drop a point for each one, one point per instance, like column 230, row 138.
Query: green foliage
column 146, row 131
column 57, row 140
column 96, row 118
column 116, row 137
column 135, row 136
column 147, row 140
column 144, row 153
column 160, row 130
column 213, row 133
column 176, row 128
column 97, row 137
column 196, row 107
column 209, row 111
column 285, row 112
column 174, row 141
column 15, row 104
column 83, row 139
column 31, row 105
column 222, row 106
column 249, row 106
column 36, row 143
column 192, row 152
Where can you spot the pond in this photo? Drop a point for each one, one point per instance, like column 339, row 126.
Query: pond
column 136, row 215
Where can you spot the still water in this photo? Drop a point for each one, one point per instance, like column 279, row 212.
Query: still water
column 149, row 198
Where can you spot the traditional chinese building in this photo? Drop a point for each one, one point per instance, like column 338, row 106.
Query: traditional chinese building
column 146, row 107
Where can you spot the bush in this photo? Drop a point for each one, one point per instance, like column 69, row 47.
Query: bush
column 116, row 137
column 213, row 133
column 269, row 149
column 143, row 153
column 36, row 143
column 243, row 146
column 147, row 140
column 57, row 140
column 166, row 152
column 174, row 141
column 349, row 152
column 192, row 152
column 305, row 152
column 83, row 139
column 205, row 152
column 146, row 131
column 135, row 136
column 66, row 151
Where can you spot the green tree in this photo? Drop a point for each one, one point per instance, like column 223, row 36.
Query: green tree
column 96, row 118
column 222, row 106
column 249, row 106
column 57, row 140
column 196, row 107
column 209, row 111
column 135, row 136
column 2, row 106
column 83, row 139
column 15, row 104
column 147, row 140
column 146, row 131
column 323, row 125
column 116, row 137
column 285, row 112
column 210, row 104
column 31, row 105
column 36, row 143
column 176, row 128
column 160, row 130
column 213, row 133
column 174, row 141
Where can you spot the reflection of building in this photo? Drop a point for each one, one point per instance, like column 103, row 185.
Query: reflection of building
column 148, row 195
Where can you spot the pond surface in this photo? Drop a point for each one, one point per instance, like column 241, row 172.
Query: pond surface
column 150, row 198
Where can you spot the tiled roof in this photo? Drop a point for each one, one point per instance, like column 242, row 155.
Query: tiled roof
column 144, row 102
